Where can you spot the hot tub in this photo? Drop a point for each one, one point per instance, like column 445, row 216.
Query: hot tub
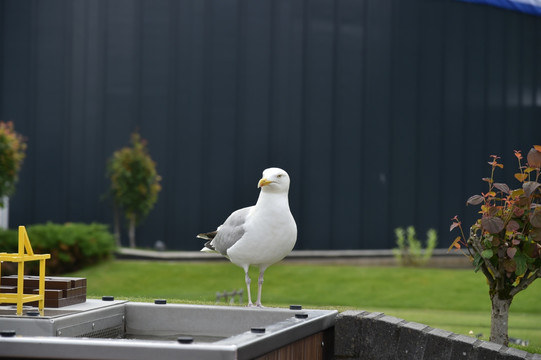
column 131, row 330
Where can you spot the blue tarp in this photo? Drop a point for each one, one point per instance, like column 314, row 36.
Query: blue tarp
column 526, row 6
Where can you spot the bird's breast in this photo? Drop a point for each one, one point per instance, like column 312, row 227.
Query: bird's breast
column 268, row 239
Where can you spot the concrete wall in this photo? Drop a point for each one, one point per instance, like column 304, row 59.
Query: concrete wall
column 374, row 335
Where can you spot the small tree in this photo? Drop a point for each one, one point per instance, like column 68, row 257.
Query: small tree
column 135, row 184
column 504, row 243
column 12, row 153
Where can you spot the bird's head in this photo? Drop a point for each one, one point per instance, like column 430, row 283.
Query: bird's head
column 274, row 180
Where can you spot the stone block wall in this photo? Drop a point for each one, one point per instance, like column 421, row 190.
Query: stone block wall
column 374, row 336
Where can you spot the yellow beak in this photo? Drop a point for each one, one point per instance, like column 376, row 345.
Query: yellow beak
column 263, row 182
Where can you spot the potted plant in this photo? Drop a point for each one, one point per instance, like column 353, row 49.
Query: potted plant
column 12, row 153
column 504, row 242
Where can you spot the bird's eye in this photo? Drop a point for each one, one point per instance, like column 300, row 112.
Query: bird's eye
column 279, row 175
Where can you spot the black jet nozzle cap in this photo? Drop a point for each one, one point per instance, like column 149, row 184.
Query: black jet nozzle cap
column 258, row 330
column 185, row 339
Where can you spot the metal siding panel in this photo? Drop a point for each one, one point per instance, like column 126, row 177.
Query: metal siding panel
column 453, row 108
column 18, row 99
column 155, row 69
column 495, row 107
column 495, row 84
column 50, row 140
column 513, row 125
column 537, row 71
column 253, row 102
column 318, row 124
column 287, row 60
column 220, row 121
column 323, row 87
column 93, row 155
column 2, row 36
column 224, row 87
column 474, row 146
column 174, row 153
column 347, row 166
column 530, row 75
column 185, row 218
column 286, row 99
column 122, row 69
column 122, row 80
column 512, row 75
column 475, row 116
column 377, row 138
column 536, row 128
column 406, row 134
column 77, row 88
column 527, row 36
column 208, row 141
column 429, row 167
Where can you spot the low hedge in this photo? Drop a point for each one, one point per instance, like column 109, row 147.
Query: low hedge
column 72, row 246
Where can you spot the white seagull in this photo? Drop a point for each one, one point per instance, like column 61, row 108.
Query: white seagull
column 259, row 235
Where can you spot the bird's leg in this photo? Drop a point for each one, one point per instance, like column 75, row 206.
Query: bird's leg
column 248, row 281
column 259, row 286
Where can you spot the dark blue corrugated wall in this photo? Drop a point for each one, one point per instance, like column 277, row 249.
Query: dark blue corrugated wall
column 384, row 112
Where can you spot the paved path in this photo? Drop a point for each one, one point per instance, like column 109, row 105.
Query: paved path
column 441, row 258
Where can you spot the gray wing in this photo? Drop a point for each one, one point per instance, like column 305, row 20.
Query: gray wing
column 231, row 230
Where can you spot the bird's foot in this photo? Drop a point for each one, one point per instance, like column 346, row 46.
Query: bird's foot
column 255, row 305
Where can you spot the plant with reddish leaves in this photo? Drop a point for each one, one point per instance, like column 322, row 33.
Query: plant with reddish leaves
column 505, row 242
column 12, row 153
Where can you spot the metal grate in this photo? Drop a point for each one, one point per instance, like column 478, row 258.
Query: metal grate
column 115, row 332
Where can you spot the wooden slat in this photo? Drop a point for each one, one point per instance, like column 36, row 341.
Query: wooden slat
column 315, row 347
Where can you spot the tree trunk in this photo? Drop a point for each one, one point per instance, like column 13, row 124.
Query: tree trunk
column 4, row 213
column 499, row 320
column 116, row 216
column 131, row 231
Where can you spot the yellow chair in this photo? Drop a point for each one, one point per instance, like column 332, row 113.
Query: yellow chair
column 25, row 254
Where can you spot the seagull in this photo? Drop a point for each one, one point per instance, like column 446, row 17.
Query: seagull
column 259, row 235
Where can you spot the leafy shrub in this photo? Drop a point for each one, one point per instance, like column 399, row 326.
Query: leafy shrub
column 12, row 153
column 72, row 246
column 8, row 241
column 410, row 250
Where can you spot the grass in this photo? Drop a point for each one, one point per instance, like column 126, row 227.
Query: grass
column 455, row 300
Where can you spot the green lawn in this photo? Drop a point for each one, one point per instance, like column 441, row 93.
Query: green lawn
column 456, row 300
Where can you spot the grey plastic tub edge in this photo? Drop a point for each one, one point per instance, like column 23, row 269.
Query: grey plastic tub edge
column 70, row 321
column 231, row 324
column 118, row 349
